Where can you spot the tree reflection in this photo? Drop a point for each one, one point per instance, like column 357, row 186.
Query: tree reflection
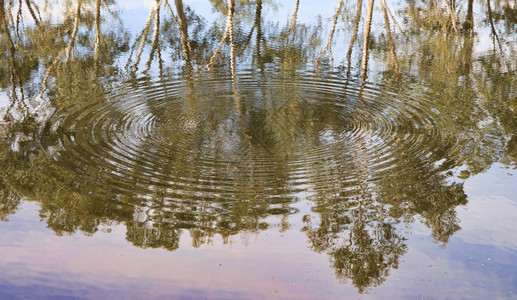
column 64, row 65
column 360, row 237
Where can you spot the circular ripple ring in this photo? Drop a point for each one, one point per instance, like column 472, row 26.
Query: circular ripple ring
column 232, row 138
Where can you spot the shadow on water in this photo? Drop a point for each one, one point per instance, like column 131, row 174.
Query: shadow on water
column 213, row 126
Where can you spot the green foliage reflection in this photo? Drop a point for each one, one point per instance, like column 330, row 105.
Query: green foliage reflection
column 55, row 69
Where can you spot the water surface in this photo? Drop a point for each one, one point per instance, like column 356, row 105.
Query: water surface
column 258, row 149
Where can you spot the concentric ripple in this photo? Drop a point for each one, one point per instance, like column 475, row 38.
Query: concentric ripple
column 224, row 138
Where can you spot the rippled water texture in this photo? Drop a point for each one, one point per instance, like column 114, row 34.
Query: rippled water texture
column 283, row 134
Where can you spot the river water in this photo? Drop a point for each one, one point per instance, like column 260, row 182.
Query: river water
column 276, row 149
